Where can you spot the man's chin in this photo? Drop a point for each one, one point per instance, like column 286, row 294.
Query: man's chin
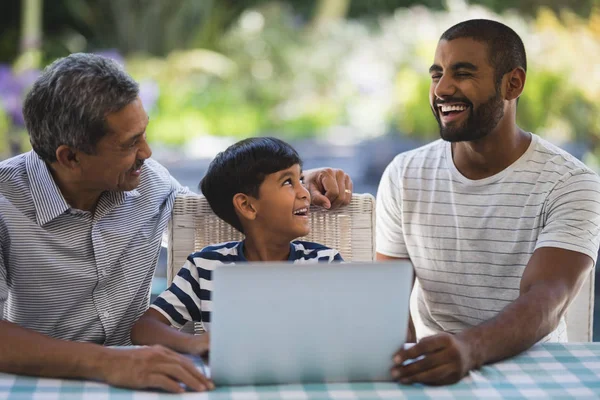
column 130, row 184
column 453, row 136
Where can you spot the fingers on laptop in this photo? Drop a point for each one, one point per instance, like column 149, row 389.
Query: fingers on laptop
column 156, row 367
column 435, row 360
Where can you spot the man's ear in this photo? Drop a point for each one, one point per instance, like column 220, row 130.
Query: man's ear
column 515, row 83
column 67, row 158
column 244, row 206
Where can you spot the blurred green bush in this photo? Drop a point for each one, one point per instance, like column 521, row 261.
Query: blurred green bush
column 270, row 73
column 268, row 70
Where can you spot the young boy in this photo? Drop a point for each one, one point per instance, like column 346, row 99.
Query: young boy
column 256, row 185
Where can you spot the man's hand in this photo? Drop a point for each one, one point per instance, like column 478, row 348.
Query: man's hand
column 153, row 367
column 329, row 187
column 445, row 359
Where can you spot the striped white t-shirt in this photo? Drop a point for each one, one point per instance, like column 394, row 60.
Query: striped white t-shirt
column 189, row 296
column 470, row 240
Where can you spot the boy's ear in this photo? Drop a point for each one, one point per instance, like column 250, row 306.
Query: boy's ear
column 243, row 206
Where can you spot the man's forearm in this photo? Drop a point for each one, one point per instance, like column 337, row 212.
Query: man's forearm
column 26, row 352
column 516, row 328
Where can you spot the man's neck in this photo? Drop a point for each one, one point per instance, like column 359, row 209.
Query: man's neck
column 265, row 249
column 75, row 194
column 488, row 156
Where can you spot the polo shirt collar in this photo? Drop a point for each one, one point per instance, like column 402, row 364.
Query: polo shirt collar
column 47, row 198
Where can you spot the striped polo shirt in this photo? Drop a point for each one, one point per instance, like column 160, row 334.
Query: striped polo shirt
column 470, row 240
column 189, row 296
column 72, row 274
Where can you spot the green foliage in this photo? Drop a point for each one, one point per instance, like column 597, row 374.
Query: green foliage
column 415, row 117
column 252, row 67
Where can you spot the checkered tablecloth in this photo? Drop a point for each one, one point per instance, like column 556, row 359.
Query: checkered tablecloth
column 545, row 371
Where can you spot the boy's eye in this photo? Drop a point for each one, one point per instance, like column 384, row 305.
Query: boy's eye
column 302, row 180
column 288, row 181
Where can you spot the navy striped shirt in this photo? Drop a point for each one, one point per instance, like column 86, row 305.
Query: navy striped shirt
column 189, row 296
column 73, row 274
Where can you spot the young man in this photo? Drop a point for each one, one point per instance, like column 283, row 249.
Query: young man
column 81, row 222
column 257, row 186
column 500, row 225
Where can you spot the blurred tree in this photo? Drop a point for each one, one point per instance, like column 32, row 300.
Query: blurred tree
column 31, row 34
column 10, row 15
column 581, row 7
column 158, row 26
column 330, row 10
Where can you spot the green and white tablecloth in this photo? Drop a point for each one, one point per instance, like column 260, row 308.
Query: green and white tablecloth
column 545, row 371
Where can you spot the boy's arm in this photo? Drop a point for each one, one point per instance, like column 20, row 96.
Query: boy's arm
column 176, row 306
column 155, row 328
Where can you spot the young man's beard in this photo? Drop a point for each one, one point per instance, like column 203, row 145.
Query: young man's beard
column 478, row 124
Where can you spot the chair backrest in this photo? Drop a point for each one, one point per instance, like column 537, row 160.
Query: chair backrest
column 350, row 229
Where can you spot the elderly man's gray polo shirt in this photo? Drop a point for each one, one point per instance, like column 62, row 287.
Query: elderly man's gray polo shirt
column 71, row 274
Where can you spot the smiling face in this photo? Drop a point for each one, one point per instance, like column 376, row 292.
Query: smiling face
column 116, row 164
column 464, row 96
column 283, row 204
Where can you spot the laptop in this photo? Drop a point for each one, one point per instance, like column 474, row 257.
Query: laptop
column 300, row 323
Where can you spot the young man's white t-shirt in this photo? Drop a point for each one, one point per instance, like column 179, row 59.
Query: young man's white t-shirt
column 470, row 240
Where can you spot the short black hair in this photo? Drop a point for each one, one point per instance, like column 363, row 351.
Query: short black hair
column 242, row 168
column 505, row 48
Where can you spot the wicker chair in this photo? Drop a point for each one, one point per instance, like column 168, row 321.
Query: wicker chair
column 351, row 230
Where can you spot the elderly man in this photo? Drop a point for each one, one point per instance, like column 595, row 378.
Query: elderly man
column 500, row 225
column 81, row 221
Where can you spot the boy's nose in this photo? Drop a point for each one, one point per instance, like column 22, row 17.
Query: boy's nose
column 303, row 192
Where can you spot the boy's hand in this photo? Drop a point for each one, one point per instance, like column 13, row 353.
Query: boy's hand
column 329, row 187
column 152, row 367
column 199, row 344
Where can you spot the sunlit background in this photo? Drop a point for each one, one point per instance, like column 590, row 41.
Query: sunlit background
column 345, row 81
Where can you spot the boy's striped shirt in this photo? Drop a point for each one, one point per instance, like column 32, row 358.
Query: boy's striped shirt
column 189, row 296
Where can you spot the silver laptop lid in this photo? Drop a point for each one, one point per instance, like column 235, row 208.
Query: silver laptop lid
column 284, row 323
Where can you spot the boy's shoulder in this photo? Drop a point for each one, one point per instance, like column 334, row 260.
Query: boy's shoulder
column 225, row 252
column 311, row 250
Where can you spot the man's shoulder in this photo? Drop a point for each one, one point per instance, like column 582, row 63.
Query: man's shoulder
column 552, row 156
column 15, row 185
column 156, row 181
column 556, row 167
column 154, row 174
column 13, row 170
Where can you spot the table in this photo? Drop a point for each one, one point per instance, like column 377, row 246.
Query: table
column 550, row 370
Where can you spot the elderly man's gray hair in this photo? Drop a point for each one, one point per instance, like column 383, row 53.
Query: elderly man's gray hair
column 69, row 102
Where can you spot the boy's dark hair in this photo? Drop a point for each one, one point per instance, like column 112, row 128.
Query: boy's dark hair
column 505, row 48
column 242, row 168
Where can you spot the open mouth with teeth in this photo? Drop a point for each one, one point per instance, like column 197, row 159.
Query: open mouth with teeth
column 301, row 212
column 450, row 112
